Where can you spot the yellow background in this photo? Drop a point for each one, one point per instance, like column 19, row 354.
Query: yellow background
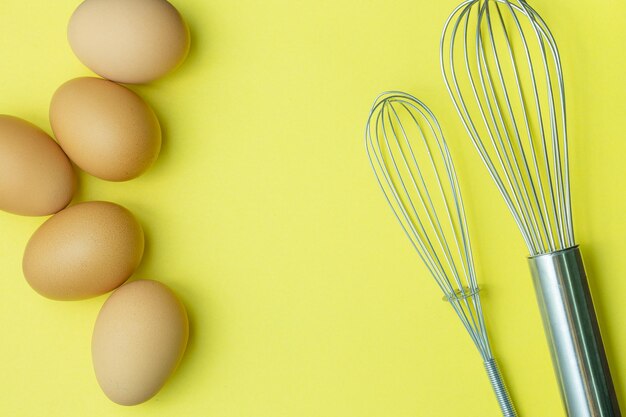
column 305, row 297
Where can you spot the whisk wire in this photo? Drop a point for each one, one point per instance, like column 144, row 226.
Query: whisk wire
column 444, row 247
column 401, row 214
column 424, row 248
column 542, row 203
column 527, row 188
column 560, row 206
column 427, row 202
column 557, row 200
column 426, row 243
column 475, row 322
column 503, row 146
column 502, row 69
column 564, row 183
column 424, row 198
column 523, row 138
column 513, row 203
column 414, row 169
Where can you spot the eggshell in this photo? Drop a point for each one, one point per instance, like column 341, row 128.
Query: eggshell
column 36, row 178
column 105, row 128
column 138, row 340
column 86, row 250
column 128, row 41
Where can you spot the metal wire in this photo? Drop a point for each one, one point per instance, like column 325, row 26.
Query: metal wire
column 414, row 169
column 502, row 394
column 503, row 72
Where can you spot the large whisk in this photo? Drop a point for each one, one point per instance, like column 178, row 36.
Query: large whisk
column 410, row 158
column 502, row 69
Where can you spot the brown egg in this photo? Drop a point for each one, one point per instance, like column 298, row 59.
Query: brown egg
column 138, row 340
column 105, row 128
column 86, row 250
column 128, row 41
column 36, row 178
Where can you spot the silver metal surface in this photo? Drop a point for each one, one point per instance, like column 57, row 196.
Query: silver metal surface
column 502, row 69
column 573, row 333
column 414, row 169
column 502, row 394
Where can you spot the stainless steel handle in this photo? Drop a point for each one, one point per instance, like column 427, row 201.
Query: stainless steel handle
column 572, row 330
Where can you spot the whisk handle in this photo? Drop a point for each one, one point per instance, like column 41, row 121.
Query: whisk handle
column 502, row 394
column 573, row 334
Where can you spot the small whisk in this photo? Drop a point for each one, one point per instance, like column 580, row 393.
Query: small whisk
column 502, row 69
column 412, row 164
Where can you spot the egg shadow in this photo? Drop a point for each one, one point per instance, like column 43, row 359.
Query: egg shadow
column 196, row 344
column 200, row 350
column 184, row 75
column 79, row 194
column 196, row 335
column 199, row 313
column 164, row 153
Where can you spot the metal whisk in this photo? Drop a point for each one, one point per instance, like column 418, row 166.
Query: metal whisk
column 410, row 158
column 502, row 69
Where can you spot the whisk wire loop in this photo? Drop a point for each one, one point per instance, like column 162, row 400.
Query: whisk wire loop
column 415, row 171
column 514, row 111
column 502, row 70
column 512, row 201
column 526, row 176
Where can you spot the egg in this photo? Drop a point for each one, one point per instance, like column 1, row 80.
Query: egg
column 85, row 250
column 128, row 41
column 105, row 128
column 138, row 340
column 36, row 178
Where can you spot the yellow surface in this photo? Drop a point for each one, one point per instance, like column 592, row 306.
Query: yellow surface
column 304, row 296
